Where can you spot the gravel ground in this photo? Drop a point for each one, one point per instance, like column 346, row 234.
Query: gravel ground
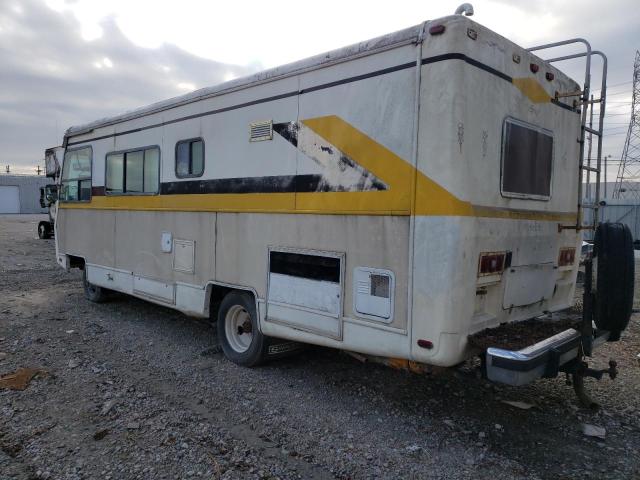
column 133, row 390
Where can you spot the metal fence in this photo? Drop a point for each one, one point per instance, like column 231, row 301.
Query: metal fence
column 625, row 211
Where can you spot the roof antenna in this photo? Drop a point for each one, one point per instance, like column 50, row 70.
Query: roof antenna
column 465, row 9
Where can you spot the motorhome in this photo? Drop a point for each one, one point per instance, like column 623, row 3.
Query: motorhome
column 391, row 198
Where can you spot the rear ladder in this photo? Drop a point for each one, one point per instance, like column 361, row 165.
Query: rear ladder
column 588, row 103
column 587, row 332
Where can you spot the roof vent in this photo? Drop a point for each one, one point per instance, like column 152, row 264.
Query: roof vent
column 259, row 131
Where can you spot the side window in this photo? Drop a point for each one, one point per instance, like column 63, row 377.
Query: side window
column 134, row 172
column 76, row 175
column 190, row 158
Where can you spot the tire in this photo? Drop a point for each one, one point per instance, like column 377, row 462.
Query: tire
column 615, row 265
column 44, row 230
column 93, row 292
column 240, row 337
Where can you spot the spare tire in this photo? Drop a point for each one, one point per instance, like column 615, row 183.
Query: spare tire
column 614, row 261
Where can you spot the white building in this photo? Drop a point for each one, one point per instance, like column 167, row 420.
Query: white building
column 21, row 193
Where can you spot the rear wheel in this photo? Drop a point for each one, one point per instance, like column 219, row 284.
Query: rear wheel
column 240, row 338
column 93, row 292
column 615, row 265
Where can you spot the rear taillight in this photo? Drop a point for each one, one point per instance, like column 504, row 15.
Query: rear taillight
column 491, row 263
column 566, row 257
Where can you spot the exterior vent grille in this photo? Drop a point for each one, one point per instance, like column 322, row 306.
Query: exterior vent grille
column 380, row 286
column 260, row 131
column 373, row 293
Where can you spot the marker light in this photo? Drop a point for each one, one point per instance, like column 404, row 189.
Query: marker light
column 491, row 263
column 566, row 257
column 549, row 76
column 534, row 68
column 436, row 29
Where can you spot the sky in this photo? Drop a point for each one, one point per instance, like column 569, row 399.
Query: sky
column 67, row 62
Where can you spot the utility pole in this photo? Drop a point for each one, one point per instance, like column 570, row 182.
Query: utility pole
column 628, row 179
column 605, row 175
column 38, row 170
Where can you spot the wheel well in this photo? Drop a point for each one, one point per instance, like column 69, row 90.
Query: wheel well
column 217, row 293
column 76, row 262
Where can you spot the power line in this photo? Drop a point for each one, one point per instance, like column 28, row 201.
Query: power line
column 618, row 93
column 629, row 166
column 616, row 85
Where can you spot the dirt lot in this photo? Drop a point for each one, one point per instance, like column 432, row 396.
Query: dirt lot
column 133, row 390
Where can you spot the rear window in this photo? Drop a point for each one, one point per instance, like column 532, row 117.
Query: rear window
column 527, row 157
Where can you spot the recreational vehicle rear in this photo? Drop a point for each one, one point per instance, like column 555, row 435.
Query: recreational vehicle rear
column 390, row 198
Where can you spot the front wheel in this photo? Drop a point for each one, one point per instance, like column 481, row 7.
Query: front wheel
column 93, row 292
column 44, row 230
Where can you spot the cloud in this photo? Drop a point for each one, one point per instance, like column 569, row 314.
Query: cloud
column 52, row 78
column 73, row 63
column 611, row 27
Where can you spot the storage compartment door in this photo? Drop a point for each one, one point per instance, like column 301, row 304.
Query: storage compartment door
column 528, row 284
column 305, row 291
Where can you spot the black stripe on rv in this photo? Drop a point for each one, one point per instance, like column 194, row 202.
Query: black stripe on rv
column 368, row 181
column 288, row 131
column 384, row 71
column 269, row 184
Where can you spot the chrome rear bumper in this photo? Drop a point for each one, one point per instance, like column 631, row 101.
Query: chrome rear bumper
column 542, row 359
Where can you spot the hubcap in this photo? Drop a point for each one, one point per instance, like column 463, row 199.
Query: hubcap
column 238, row 330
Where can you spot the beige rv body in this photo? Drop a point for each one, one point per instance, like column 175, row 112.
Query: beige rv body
column 394, row 171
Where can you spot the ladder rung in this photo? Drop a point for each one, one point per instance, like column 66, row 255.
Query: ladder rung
column 594, row 206
column 591, row 169
column 592, row 131
column 569, row 94
column 595, row 100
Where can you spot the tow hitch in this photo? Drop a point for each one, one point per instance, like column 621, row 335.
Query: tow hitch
column 578, row 369
column 561, row 347
column 576, row 372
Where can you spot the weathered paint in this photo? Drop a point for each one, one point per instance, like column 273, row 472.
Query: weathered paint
column 422, row 203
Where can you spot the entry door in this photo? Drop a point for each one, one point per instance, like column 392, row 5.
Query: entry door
column 9, row 199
